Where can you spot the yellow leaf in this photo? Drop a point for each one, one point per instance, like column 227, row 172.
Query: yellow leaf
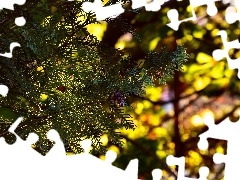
column 139, row 108
column 97, row 29
column 43, row 97
column 209, row 26
column 153, row 43
column 218, row 70
column 199, row 34
column 120, row 45
column 104, row 139
column 203, row 58
column 189, row 37
column 147, row 104
column 196, row 68
column 228, row 73
column 161, row 153
column 154, row 120
column 214, row 32
column 201, row 82
column 196, row 157
column 153, row 93
column 220, row 149
column 160, row 132
column 40, row 68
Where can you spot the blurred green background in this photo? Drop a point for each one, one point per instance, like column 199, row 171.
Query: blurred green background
column 170, row 117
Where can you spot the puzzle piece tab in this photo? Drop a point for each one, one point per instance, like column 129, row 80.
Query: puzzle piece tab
column 173, row 14
column 180, row 162
column 103, row 12
column 14, row 155
column 19, row 21
column 219, row 54
column 229, row 131
column 233, row 12
column 59, row 166
column 154, row 5
column 211, row 7
column 9, row 4
column 3, row 90
column 12, row 46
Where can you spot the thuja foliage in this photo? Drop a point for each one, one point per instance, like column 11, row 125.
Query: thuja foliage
column 63, row 78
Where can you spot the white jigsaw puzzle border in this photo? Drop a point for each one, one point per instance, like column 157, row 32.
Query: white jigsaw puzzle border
column 56, row 157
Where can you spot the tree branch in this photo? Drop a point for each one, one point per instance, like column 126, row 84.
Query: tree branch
column 150, row 153
column 205, row 128
column 3, row 21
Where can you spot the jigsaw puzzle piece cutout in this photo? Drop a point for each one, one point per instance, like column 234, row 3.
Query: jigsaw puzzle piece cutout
column 232, row 13
column 132, row 169
column 56, row 157
column 173, row 14
column 3, row 90
column 31, row 139
column 9, row 4
column 12, row 46
column 211, row 7
column 231, row 161
column 157, row 174
column 215, row 131
column 26, row 154
column 9, row 137
column 232, row 157
column 42, row 143
column 80, row 165
column 20, row 21
column 101, row 12
column 20, row 152
column 91, row 164
column 111, row 157
column 219, row 54
column 58, row 149
column 180, row 162
column 154, row 5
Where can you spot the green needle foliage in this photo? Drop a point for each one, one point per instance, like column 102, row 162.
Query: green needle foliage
column 63, row 78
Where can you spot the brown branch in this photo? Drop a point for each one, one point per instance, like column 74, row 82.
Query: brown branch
column 179, row 149
column 171, row 100
column 3, row 21
column 166, row 118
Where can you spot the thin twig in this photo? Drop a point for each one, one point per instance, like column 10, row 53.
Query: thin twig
column 3, row 21
column 205, row 128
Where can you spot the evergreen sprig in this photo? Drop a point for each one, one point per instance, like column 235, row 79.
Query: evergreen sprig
column 84, row 81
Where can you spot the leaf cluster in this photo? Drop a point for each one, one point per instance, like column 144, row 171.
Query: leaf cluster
column 61, row 61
